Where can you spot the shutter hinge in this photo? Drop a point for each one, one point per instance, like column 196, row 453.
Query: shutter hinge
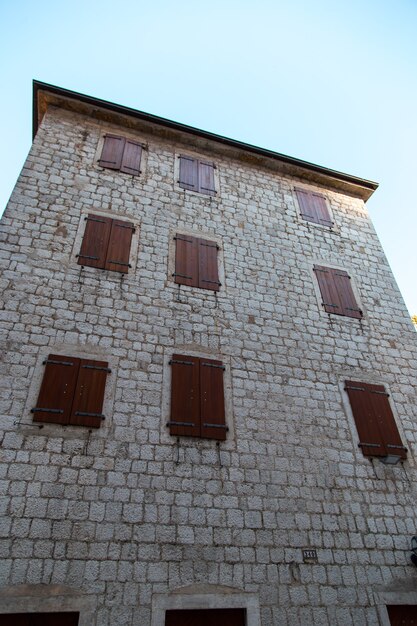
column 86, row 256
column 37, row 409
column 81, row 414
column 335, row 306
column 369, row 445
column 216, row 426
column 182, row 275
column 95, row 219
column 175, row 362
column 52, row 362
column 183, row 239
column 391, row 445
column 214, row 282
column 381, row 393
column 119, row 263
column 180, row 424
column 220, row 367
column 96, row 367
column 125, row 226
column 355, row 388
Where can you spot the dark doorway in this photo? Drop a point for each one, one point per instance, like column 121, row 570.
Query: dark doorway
column 39, row 619
column 403, row 615
column 206, row 617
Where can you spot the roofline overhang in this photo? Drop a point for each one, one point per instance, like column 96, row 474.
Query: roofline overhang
column 355, row 186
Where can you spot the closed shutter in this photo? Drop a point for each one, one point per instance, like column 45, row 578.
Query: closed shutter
column 329, row 294
column 346, row 296
column 95, row 241
column 185, row 396
column 112, row 154
column 39, row 619
column 208, row 276
column 386, row 421
column 319, row 203
column 57, row 390
column 186, row 260
column 336, row 292
column 118, row 252
column 375, row 423
column 188, row 173
column 206, row 178
column 89, row 394
column 313, row 207
column 212, row 414
column 131, row 158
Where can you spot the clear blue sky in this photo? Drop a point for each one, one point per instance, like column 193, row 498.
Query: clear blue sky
column 329, row 82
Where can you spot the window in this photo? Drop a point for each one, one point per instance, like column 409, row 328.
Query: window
column 336, row 292
column 106, row 243
column 121, row 154
column 197, row 398
column 205, row 617
column 197, row 175
column 402, row 615
column 313, row 207
column 196, row 262
column 375, row 423
column 72, row 391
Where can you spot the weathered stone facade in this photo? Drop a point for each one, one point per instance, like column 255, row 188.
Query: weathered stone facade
column 125, row 521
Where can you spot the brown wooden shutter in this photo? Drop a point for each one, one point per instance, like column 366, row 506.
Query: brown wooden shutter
column 39, row 619
column 208, row 274
column 206, row 178
column 89, row 394
column 330, row 297
column 131, row 158
column 188, row 173
column 95, row 241
column 313, row 207
column 112, row 154
column 213, row 425
column 118, row 252
column 346, row 296
column 186, row 260
column 386, row 421
column 307, row 209
column 57, row 390
column 185, row 396
column 374, row 420
column 322, row 212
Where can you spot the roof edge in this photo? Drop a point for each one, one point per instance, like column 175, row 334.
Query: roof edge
column 367, row 185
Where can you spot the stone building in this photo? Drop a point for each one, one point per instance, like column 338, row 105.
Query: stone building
column 208, row 385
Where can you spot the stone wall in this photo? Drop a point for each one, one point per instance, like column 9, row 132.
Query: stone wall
column 127, row 513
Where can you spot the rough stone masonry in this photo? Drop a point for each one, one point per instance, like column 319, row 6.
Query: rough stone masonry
column 123, row 522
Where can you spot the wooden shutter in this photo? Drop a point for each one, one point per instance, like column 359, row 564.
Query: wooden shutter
column 131, row 158
column 313, row 207
column 208, row 274
column 188, row 173
column 95, row 241
column 206, row 178
column 344, row 290
column 402, row 615
column 89, row 394
column 57, row 390
column 336, row 292
column 185, row 396
column 39, row 619
column 118, row 251
column 186, row 260
column 112, row 154
column 212, row 414
column 375, row 423
column 329, row 294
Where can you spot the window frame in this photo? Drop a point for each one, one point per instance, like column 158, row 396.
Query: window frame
column 319, row 297
column 201, row 159
column 69, row 430
column 134, row 244
column 172, row 262
column 332, row 226
column 127, row 136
